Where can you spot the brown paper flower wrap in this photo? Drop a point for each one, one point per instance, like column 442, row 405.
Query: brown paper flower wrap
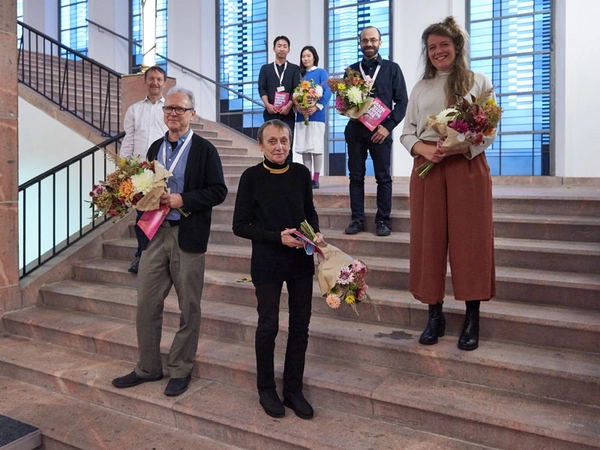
column 151, row 200
column 331, row 265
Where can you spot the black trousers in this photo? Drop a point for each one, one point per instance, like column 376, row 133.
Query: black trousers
column 358, row 138
column 300, row 304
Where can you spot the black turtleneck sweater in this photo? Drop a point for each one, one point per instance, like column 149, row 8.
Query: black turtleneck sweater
column 266, row 204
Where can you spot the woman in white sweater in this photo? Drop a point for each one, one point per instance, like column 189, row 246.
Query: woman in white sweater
column 450, row 207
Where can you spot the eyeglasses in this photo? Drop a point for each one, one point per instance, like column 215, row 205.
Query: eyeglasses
column 178, row 110
column 372, row 41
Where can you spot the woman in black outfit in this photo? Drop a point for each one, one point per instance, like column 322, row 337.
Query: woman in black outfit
column 273, row 198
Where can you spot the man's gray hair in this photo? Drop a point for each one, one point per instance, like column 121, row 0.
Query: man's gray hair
column 190, row 94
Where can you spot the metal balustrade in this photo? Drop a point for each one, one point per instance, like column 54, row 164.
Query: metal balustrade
column 55, row 209
column 76, row 83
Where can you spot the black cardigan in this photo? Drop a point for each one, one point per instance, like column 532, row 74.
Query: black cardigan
column 204, row 187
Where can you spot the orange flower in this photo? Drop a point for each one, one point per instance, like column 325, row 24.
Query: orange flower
column 305, row 84
column 126, row 189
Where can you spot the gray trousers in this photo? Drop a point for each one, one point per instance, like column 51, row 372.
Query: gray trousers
column 164, row 264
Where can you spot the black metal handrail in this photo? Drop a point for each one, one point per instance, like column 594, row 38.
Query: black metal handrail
column 54, row 209
column 70, row 79
column 181, row 66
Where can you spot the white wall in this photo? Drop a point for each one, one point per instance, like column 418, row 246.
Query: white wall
column 103, row 46
column 191, row 38
column 44, row 142
column 577, row 67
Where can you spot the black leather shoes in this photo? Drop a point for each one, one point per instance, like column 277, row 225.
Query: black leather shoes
column 177, row 386
column 355, row 227
column 134, row 266
column 436, row 326
column 271, row 403
column 132, row 379
column 298, row 404
column 469, row 338
column 382, row 228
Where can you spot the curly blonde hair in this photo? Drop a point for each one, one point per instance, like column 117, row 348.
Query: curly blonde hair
column 461, row 79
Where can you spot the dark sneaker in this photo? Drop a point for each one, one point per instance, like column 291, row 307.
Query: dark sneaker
column 382, row 228
column 315, row 184
column 355, row 227
column 135, row 265
column 177, row 386
column 271, row 403
column 299, row 405
column 132, row 379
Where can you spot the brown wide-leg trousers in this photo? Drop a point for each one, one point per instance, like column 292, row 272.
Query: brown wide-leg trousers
column 451, row 216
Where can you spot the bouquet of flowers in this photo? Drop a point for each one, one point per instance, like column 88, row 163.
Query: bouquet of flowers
column 134, row 183
column 466, row 123
column 306, row 95
column 352, row 94
column 341, row 277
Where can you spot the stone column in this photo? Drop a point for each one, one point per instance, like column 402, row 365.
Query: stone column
column 9, row 182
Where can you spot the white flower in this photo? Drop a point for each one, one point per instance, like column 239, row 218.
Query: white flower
column 354, row 95
column 143, row 182
column 319, row 90
column 460, row 137
column 446, row 115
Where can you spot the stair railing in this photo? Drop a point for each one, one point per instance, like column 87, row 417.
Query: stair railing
column 76, row 83
column 220, row 114
column 54, row 208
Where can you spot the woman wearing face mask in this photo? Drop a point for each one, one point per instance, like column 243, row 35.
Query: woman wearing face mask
column 451, row 207
column 309, row 140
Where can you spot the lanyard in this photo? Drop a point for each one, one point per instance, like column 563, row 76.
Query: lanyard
column 282, row 73
column 367, row 78
column 179, row 153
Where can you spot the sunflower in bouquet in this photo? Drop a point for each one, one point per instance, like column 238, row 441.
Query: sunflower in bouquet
column 352, row 97
column 306, row 95
column 467, row 122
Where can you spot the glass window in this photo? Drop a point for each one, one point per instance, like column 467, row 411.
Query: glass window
column 136, row 35
column 19, row 18
column 346, row 19
column 511, row 43
column 242, row 52
column 73, row 24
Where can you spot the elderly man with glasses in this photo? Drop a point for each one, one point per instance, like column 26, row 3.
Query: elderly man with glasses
column 175, row 255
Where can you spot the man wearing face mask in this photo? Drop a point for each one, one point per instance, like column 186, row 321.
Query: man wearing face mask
column 389, row 87
column 276, row 82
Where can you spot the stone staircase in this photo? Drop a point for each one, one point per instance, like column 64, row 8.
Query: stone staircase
column 534, row 383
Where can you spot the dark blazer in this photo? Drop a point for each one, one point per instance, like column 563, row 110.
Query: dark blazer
column 203, row 188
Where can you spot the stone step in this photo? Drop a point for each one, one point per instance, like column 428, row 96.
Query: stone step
column 545, row 287
column 245, row 160
column 525, row 322
column 229, row 416
column 551, row 202
column 372, row 339
column 365, row 389
column 69, row 421
column 542, row 287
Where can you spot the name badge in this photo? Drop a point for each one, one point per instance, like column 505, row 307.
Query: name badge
column 280, row 89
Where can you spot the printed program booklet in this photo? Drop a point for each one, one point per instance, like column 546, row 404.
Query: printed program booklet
column 375, row 115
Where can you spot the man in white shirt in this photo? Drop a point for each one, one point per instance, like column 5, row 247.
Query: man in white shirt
column 144, row 123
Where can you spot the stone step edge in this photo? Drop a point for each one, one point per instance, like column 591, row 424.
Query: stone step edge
column 88, row 434
column 200, row 401
column 514, row 311
column 116, row 337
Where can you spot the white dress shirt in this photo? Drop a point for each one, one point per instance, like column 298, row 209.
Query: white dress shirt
column 144, row 123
